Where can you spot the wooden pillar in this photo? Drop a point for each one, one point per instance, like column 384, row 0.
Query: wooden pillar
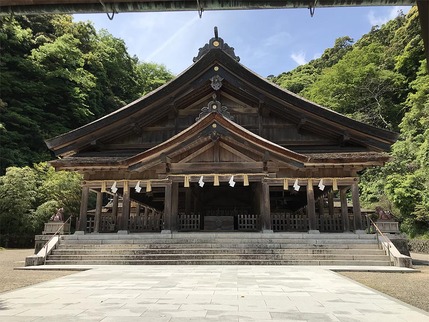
column 344, row 209
column 356, row 207
column 265, row 208
column 98, row 208
column 331, row 203
column 126, row 208
column 311, row 207
column 331, row 219
column 188, row 200
column 174, row 205
column 322, row 213
column 115, row 210
column 168, row 207
column 83, row 208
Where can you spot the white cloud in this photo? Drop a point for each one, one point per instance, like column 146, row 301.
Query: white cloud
column 180, row 34
column 277, row 40
column 299, row 58
column 389, row 15
column 317, row 55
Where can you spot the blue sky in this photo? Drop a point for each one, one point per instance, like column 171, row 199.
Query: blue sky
column 267, row 41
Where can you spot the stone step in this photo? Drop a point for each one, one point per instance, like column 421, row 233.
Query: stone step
column 220, row 241
column 139, row 251
column 221, row 262
column 219, row 249
column 236, row 244
column 178, row 257
column 218, row 236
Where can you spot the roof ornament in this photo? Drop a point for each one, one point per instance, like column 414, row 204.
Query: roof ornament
column 216, row 43
column 216, row 82
column 215, row 106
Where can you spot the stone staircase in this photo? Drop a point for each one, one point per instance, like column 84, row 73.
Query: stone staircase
column 219, row 249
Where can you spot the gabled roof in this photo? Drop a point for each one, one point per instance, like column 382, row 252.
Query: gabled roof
column 211, row 130
column 215, row 127
column 194, row 84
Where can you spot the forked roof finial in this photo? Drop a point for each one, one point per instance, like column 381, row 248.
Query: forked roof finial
column 216, row 43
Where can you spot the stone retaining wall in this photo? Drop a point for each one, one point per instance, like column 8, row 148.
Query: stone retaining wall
column 419, row 245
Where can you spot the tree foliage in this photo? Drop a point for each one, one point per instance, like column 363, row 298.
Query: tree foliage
column 57, row 75
column 381, row 80
column 30, row 196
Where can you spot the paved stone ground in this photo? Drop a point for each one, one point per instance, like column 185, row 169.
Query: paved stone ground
column 11, row 279
column 410, row 288
column 184, row 293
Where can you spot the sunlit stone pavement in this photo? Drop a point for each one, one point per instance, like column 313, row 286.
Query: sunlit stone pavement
column 218, row 293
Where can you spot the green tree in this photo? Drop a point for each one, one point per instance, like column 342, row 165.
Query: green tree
column 57, row 75
column 408, row 178
column 30, row 196
column 151, row 76
column 18, row 194
column 361, row 88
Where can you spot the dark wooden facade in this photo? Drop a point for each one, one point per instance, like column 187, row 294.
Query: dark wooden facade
column 220, row 148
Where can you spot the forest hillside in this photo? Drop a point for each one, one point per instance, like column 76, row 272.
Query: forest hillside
column 381, row 79
column 57, row 75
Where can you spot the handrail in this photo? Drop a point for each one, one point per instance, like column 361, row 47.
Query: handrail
column 386, row 239
column 47, row 243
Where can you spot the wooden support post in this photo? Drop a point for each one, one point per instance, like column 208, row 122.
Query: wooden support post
column 344, row 209
column 265, row 208
column 167, row 207
column 126, row 208
column 115, row 210
column 331, row 203
column 322, row 213
column 311, row 208
column 188, row 201
column 98, row 208
column 356, row 207
column 174, row 205
column 83, row 209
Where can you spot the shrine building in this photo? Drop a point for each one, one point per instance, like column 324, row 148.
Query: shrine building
column 220, row 148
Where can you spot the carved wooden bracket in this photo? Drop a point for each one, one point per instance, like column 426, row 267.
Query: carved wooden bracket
column 215, row 106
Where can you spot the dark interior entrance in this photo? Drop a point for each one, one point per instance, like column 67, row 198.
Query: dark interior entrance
column 218, row 208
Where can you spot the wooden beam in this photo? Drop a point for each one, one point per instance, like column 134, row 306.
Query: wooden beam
column 344, row 209
column 98, row 208
column 83, row 209
column 265, row 207
column 356, row 207
column 331, row 203
column 322, row 213
column 311, row 207
column 115, row 208
column 196, row 153
column 216, row 167
column 126, row 208
column 235, row 152
column 27, row 7
column 168, row 214
column 174, row 206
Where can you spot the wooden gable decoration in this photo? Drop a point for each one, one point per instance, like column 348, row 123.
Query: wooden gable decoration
column 218, row 116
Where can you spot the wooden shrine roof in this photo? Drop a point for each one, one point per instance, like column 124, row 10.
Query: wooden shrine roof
column 217, row 71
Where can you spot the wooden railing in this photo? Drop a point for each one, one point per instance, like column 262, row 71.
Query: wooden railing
column 189, row 222
column 148, row 220
column 284, row 221
column 383, row 240
column 59, row 230
column 248, row 222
